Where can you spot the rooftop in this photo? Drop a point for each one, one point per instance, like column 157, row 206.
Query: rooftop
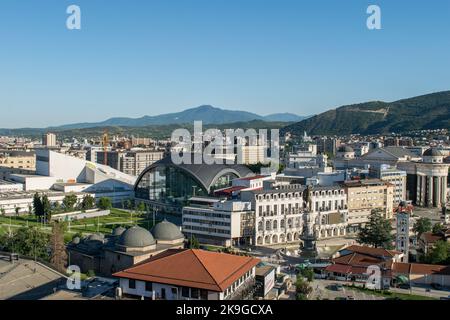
column 192, row 268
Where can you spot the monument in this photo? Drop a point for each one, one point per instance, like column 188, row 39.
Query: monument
column 308, row 248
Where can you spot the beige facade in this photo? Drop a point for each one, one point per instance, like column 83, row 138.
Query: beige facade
column 17, row 163
column 367, row 195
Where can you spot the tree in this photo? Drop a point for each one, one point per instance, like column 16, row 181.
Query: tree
column 422, row 225
column 308, row 273
column 105, row 203
column 2, row 211
column 58, row 255
column 193, row 243
column 302, row 288
column 46, row 207
column 17, row 211
column 37, row 205
column 437, row 228
column 88, row 202
column 440, row 254
column 26, row 241
column 69, row 202
column 377, row 232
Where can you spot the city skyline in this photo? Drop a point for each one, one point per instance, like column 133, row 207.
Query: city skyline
column 135, row 59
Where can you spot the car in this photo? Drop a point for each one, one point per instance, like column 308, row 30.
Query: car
column 436, row 286
column 338, row 287
column 406, row 286
column 350, row 298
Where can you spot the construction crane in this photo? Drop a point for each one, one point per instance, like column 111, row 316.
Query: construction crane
column 105, row 143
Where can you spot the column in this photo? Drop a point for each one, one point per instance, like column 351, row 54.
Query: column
column 419, row 190
column 437, row 196
column 430, row 191
column 444, row 190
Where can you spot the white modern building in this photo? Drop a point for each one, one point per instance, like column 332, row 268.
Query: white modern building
column 219, row 222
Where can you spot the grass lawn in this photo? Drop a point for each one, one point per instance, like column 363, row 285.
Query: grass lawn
column 85, row 226
column 391, row 295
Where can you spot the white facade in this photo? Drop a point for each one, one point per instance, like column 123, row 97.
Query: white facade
column 402, row 234
column 155, row 290
column 218, row 223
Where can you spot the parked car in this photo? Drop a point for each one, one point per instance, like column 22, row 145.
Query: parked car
column 338, row 287
column 436, row 286
column 406, row 286
column 350, row 298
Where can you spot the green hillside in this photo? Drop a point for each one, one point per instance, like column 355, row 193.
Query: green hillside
column 431, row 111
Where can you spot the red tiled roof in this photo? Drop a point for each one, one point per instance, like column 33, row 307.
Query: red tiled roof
column 419, row 268
column 192, row 268
column 377, row 252
column 358, row 259
column 429, row 237
column 339, row 268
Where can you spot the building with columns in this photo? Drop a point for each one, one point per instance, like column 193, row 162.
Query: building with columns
column 426, row 180
column 431, row 180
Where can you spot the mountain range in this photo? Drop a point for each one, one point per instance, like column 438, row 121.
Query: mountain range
column 207, row 114
column 431, row 111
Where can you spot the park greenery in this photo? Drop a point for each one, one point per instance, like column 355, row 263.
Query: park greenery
column 422, row 225
column 377, row 231
column 302, row 288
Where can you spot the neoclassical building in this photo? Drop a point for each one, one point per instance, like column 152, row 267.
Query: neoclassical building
column 280, row 213
column 426, row 182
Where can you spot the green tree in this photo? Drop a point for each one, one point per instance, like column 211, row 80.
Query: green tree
column 440, row 254
column 377, row 231
column 437, row 228
column 302, row 288
column 2, row 211
column 26, row 241
column 69, row 202
column 193, row 243
column 46, row 207
column 422, row 225
column 105, row 203
column 308, row 273
column 88, row 202
column 37, row 205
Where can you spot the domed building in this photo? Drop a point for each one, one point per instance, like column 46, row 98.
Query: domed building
column 166, row 185
column 433, row 155
column 167, row 233
column 345, row 152
column 124, row 248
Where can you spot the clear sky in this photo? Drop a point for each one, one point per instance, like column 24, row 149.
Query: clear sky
column 134, row 57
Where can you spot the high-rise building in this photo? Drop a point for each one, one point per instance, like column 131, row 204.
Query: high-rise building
column 130, row 162
column 49, row 139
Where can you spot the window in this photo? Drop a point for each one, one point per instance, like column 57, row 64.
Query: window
column 148, row 286
column 131, row 283
column 185, row 292
column 204, row 294
column 195, row 293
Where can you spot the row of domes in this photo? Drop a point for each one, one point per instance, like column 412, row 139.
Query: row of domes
column 138, row 237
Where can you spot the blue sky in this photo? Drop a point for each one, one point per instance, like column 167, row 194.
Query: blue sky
column 135, row 57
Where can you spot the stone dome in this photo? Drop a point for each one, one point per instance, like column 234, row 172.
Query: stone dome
column 136, row 237
column 96, row 237
column 118, row 231
column 345, row 149
column 432, row 152
column 166, row 230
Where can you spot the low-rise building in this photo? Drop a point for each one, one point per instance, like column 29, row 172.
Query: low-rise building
column 190, row 274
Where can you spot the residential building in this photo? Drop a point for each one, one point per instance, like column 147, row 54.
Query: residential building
column 131, row 162
column 363, row 196
column 190, row 274
column 16, row 162
column 49, row 140
column 397, row 178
